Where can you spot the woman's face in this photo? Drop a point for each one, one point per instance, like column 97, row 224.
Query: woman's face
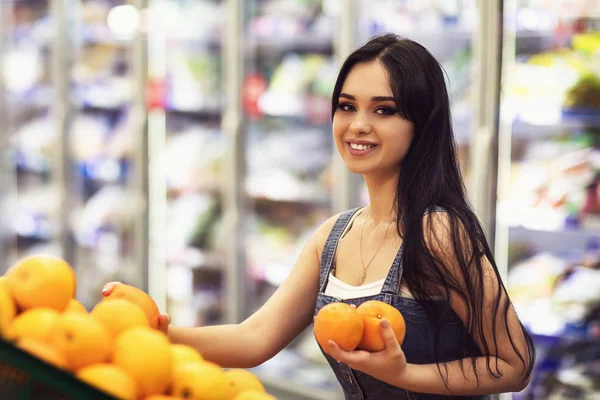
column 370, row 134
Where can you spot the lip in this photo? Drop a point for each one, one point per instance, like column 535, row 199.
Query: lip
column 355, row 152
column 359, row 141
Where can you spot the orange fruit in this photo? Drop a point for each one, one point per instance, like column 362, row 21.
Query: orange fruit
column 182, row 354
column 145, row 353
column 36, row 323
column 43, row 351
column 161, row 397
column 372, row 312
column 110, row 379
column 41, row 281
column 117, row 315
column 138, row 297
column 242, row 380
column 76, row 306
column 211, row 364
column 338, row 322
column 8, row 310
column 199, row 381
column 82, row 339
column 253, row 395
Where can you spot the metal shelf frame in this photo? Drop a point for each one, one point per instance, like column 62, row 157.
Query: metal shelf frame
column 63, row 110
column 6, row 174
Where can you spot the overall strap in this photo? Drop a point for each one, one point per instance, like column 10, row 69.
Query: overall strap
column 330, row 246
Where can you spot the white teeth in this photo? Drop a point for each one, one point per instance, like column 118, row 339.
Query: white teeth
column 361, row 146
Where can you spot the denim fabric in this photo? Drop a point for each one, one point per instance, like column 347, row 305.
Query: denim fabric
column 419, row 343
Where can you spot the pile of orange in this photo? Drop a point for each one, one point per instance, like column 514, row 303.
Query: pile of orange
column 357, row 327
column 115, row 347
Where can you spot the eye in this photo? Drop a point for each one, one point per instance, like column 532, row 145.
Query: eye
column 346, row 107
column 385, row 111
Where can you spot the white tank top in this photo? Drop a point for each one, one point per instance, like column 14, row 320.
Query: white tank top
column 344, row 291
column 341, row 290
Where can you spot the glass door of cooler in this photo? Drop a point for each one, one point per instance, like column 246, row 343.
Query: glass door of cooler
column 548, row 214
column 187, row 150
column 31, row 146
column 446, row 28
column 104, row 136
column 290, row 69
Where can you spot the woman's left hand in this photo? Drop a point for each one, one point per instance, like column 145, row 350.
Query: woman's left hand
column 387, row 365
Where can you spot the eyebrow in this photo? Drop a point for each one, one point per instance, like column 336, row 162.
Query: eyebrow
column 373, row 99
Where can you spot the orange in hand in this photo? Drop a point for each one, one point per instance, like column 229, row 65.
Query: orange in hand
column 341, row 323
column 372, row 312
column 138, row 297
column 117, row 315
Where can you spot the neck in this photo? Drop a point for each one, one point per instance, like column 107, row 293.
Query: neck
column 382, row 192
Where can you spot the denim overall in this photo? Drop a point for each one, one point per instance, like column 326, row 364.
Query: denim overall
column 418, row 345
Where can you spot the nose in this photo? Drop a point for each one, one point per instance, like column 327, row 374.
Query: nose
column 360, row 127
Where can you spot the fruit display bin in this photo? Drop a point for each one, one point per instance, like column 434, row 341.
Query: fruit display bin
column 25, row 377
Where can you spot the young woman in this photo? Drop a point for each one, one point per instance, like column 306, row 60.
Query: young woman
column 417, row 246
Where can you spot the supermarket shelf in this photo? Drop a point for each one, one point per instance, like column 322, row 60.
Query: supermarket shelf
column 196, row 44
column 567, row 122
column 255, row 46
column 107, row 41
column 90, row 108
column 299, row 372
column 213, row 189
column 199, row 114
column 38, row 99
column 288, row 390
column 30, row 162
column 443, row 43
column 271, row 201
column 34, row 237
column 555, row 241
column 195, row 259
column 105, row 170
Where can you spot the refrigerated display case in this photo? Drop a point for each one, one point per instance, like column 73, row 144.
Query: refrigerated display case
column 104, row 156
column 72, row 125
column 187, row 158
column 289, row 71
column 31, row 177
column 548, row 225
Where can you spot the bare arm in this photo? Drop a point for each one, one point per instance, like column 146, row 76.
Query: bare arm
column 283, row 317
column 508, row 370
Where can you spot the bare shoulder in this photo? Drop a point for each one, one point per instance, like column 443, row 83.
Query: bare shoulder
column 437, row 228
column 444, row 235
column 321, row 234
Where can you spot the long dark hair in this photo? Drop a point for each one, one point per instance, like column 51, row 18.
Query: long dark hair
column 430, row 177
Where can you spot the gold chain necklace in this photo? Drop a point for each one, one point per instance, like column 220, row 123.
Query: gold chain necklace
column 364, row 274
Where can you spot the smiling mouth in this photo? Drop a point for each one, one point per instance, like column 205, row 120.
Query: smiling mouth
column 356, row 149
column 356, row 146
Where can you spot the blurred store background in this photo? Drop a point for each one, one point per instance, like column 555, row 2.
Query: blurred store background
column 156, row 142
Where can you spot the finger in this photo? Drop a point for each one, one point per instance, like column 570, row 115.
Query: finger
column 108, row 288
column 164, row 320
column 346, row 357
column 353, row 305
column 389, row 337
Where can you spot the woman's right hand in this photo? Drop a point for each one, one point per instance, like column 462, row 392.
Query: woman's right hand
column 163, row 320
